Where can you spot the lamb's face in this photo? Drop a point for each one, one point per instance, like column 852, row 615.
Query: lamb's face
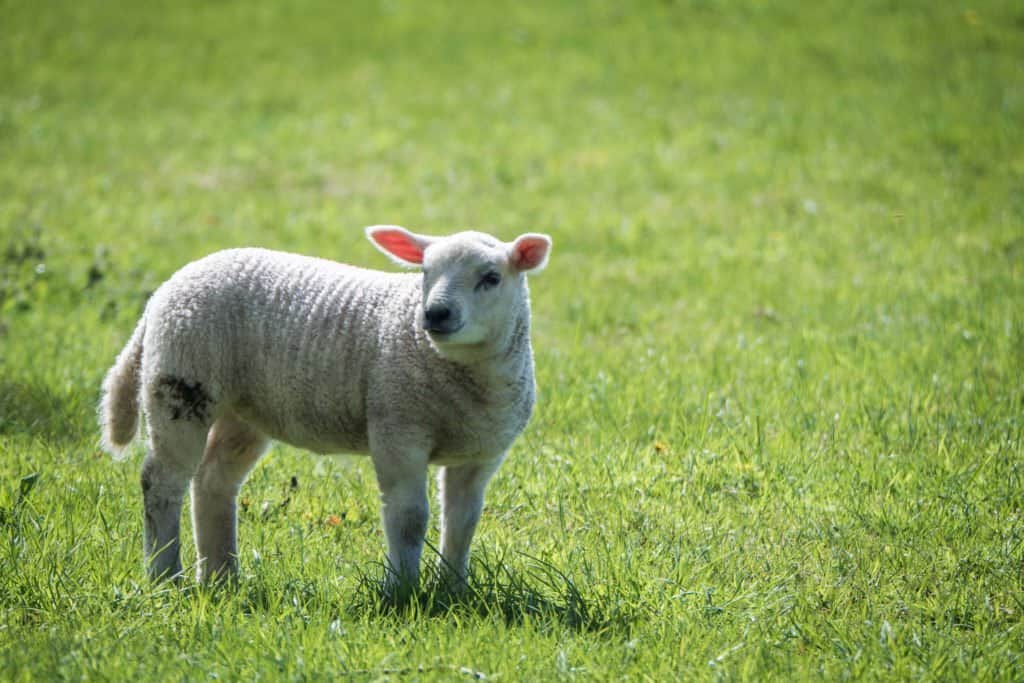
column 471, row 292
column 474, row 285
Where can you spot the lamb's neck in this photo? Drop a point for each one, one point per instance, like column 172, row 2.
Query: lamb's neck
column 502, row 361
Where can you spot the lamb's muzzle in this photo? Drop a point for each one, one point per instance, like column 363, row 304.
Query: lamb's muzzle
column 438, row 319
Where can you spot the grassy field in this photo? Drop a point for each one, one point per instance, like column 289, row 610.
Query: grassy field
column 780, row 343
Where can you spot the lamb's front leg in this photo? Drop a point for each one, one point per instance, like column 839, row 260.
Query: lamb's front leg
column 402, row 479
column 461, row 491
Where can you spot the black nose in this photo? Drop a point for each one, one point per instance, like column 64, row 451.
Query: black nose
column 436, row 316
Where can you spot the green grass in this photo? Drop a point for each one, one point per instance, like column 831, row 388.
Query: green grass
column 780, row 343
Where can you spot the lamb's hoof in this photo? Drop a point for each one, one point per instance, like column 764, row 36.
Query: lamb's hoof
column 397, row 592
column 216, row 581
column 173, row 576
column 452, row 586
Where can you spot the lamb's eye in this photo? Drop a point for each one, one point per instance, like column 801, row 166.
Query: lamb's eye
column 490, row 280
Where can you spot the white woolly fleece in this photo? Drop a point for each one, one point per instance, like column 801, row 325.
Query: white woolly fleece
column 250, row 344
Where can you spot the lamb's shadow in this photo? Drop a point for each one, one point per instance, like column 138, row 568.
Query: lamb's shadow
column 36, row 409
column 528, row 590
column 533, row 590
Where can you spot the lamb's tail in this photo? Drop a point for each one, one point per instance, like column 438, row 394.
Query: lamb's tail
column 119, row 406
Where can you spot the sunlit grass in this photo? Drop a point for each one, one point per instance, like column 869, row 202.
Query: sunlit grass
column 779, row 344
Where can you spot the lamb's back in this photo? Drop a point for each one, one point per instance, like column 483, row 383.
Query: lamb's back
column 286, row 341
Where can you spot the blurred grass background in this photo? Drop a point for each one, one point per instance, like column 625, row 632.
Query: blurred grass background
column 779, row 344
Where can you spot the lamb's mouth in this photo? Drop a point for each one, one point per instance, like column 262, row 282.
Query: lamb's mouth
column 442, row 334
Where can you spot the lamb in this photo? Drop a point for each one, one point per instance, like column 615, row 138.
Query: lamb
column 248, row 345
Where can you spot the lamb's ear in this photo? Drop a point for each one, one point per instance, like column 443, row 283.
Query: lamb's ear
column 529, row 253
column 402, row 246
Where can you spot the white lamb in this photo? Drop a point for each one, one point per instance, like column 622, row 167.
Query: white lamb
column 248, row 345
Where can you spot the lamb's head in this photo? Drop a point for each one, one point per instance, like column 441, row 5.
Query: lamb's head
column 474, row 285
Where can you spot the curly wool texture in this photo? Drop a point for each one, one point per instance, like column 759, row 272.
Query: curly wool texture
column 313, row 352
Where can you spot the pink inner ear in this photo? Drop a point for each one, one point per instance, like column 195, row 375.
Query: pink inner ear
column 399, row 244
column 529, row 252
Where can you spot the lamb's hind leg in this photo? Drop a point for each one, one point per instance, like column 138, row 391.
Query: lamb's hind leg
column 232, row 449
column 175, row 450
